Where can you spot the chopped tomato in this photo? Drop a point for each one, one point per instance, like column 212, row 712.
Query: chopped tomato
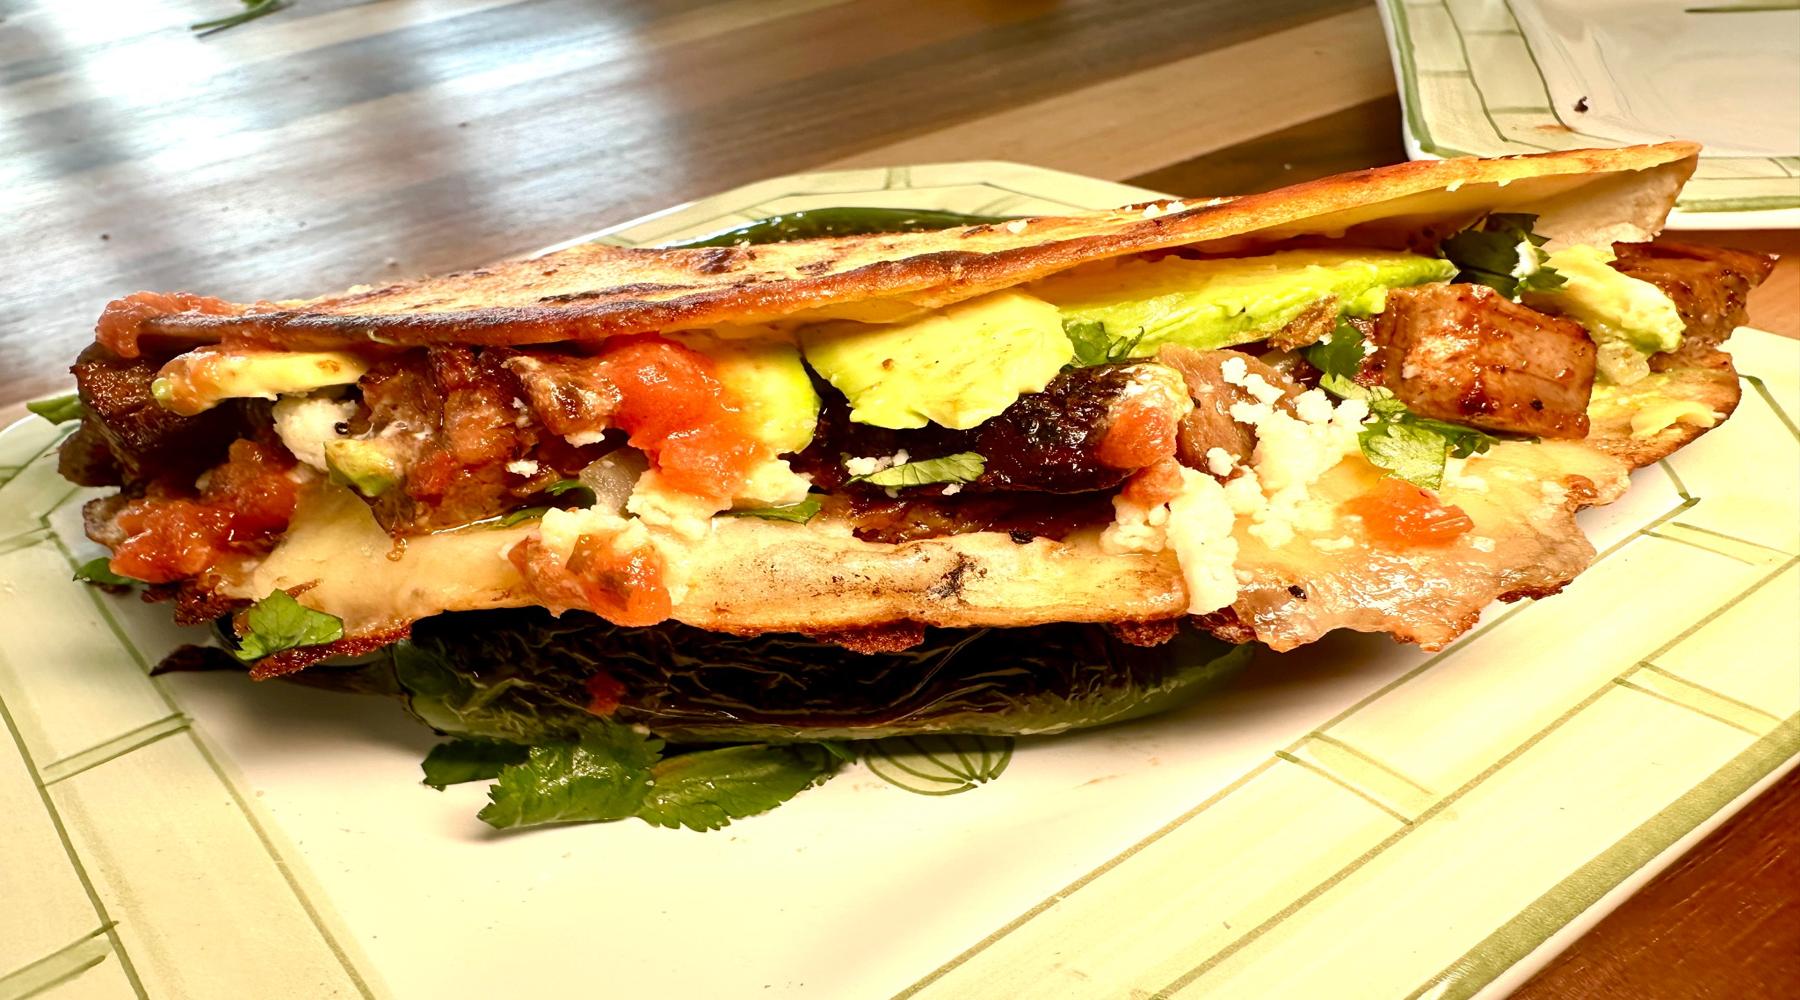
column 676, row 410
column 1155, row 485
column 604, row 693
column 1142, row 434
column 123, row 319
column 625, row 588
column 1400, row 515
column 170, row 538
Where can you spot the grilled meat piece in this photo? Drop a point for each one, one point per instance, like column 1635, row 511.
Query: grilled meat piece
column 1467, row 354
column 126, row 437
column 449, row 417
column 1211, row 425
column 1060, row 440
column 1709, row 286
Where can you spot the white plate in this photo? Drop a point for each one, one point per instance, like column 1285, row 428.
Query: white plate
column 1489, row 78
column 1358, row 819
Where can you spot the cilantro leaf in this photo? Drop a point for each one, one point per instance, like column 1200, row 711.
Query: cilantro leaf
column 707, row 789
column 1502, row 253
column 463, row 760
column 99, row 571
column 1462, row 441
column 279, row 622
column 58, row 409
column 962, row 467
column 605, row 776
column 1413, row 453
column 1339, row 356
column 799, row 513
column 1415, row 448
column 1093, row 346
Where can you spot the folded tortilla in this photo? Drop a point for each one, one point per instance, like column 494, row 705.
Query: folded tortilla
column 748, row 575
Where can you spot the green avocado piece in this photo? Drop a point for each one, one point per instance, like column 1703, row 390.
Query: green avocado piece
column 771, row 386
column 1221, row 302
column 1628, row 318
column 955, row 367
column 368, row 466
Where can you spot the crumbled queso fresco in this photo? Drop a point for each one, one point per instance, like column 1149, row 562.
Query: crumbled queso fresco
column 1272, row 491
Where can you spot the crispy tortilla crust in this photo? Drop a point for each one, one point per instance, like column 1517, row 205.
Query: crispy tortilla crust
column 595, row 291
column 753, row 575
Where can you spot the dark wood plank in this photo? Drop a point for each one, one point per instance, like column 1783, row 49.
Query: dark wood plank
column 1722, row 922
column 1366, row 135
column 288, row 160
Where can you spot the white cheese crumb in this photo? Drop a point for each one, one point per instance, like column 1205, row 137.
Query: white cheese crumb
column 523, row 419
column 1481, row 543
column 582, row 439
column 871, row 465
column 1234, row 370
column 1016, row 226
column 953, row 489
column 1259, row 387
column 1313, row 406
column 1152, row 211
column 304, row 424
column 522, row 467
column 1220, row 462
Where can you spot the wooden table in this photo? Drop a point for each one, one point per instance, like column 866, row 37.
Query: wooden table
column 336, row 142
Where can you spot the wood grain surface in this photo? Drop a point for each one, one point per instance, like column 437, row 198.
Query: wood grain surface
column 338, row 142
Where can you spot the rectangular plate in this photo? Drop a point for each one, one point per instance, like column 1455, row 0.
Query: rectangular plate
column 1489, row 78
column 1355, row 813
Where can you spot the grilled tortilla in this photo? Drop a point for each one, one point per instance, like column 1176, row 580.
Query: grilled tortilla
column 454, row 362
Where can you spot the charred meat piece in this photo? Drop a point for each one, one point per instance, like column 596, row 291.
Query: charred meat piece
column 127, row 437
column 567, row 391
column 1088, row 430
column 1709, row 286
column 448, row 417
column 1308, row 328
column 1467, row 354
column 1211, row 425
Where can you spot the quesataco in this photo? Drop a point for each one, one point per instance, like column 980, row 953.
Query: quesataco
column 1373, row 401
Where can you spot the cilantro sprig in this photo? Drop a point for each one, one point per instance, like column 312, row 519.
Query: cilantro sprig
column 1502, row 253
column 279, row 622
column 962, row 467
column 613, row 772
column 1414, row 448
column 1095, row 346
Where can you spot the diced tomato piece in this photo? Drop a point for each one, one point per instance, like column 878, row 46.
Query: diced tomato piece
column 1400, row 515
column 677, row 411
column 625, row 588
column 248, row 498
column 1142, row 434
column 604, row 694
column 1155, row 485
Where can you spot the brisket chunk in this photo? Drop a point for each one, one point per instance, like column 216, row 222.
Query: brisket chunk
column 1467, row 354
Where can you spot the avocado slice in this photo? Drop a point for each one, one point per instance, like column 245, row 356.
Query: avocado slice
column 367, row 466
column 956, row 367
column 1221, row 302
column 201, row 379
column 770, row 383
column 1628, row 318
